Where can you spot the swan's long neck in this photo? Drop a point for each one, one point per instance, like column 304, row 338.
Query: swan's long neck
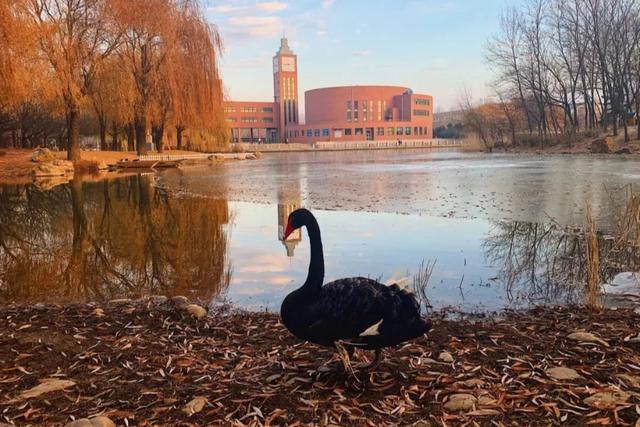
column 315, row 278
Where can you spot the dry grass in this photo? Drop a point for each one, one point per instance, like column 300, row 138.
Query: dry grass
column 472, row 144
column 592, row 261
column 421, row 282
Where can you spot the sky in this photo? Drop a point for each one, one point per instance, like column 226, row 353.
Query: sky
column 432, row 46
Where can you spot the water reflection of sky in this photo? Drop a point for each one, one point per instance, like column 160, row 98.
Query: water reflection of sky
column 361, row 244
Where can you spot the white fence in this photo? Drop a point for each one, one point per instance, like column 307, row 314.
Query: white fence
column 355, row 145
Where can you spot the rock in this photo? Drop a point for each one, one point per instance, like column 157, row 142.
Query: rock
column 250, row 156
column 630, row 380
column 445, row 356
column 602, row 145
column 472, row 383
column 180, row 301
column 240, row 156
column 607, row 399
column 461, row 402
column 46, row 386
column 100, row 421
column 562, row 373
column 82, row 422
column 98, row 312
column 196, row 311
column 48, row 169
column 42, row 155
column 258, row 155
column 102, row 166
column 582, row 336
column 623, row 151
column 195, row 405
column 119, row 301
column 486, row 400
column 67, row 165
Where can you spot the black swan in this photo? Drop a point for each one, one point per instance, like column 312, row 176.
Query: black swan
column 351, row 312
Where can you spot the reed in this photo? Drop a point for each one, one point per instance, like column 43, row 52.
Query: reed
column 421, row 282
column 592, row 250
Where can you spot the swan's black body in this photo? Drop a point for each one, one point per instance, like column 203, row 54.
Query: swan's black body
column 358, row 311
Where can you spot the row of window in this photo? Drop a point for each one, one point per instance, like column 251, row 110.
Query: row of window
column 248, row 109
column 250, row 119
column 421, row 101
column 420, row 112
column 380, row 131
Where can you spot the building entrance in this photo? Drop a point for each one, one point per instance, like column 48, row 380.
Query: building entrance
column 369, row 134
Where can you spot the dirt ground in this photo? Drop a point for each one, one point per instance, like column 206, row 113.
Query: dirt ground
column 146, row 362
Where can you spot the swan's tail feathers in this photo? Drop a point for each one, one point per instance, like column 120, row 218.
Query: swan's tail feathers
column 399, row 281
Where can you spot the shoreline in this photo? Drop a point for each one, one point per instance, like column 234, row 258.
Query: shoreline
column 149, row 361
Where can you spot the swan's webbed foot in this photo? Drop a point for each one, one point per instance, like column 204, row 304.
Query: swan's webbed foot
column 345, row 353
column 375, row 362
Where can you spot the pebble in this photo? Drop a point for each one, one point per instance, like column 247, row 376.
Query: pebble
column 582, row 336
column 195, row 405
column 562, row 373
column 196, row 311
column 461, row 402
column 99, row 421
column 180, row 301
column 445, row 356
column 607, row 399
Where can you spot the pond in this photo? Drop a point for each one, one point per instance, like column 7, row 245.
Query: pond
column 495, row 226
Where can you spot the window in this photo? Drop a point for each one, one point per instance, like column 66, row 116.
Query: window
column 231, row 119
column 229, row 109
column 380, row 132
column 347, row 131
column 295, row 134
column 316, row 132
column 349, row 115
column 267, row 109
column 337, row 133
column 398, row 131
column 355, row 105
column 421, row 101
column 415, row 130
column 348, row 105
column 407, row 131
column 249, row 120
column 325, row 132
column 247, row 109
column 390, row 131
column 358, row 131
column 355, row 115
column 267, row 119
column 309, row 132
column 420, row 112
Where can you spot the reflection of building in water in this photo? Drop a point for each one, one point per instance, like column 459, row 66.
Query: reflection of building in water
column 286, row 205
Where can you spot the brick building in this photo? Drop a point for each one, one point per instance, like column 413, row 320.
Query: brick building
column 347, row 113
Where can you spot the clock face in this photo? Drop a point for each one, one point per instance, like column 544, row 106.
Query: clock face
column 275, row 65
column 288, row 64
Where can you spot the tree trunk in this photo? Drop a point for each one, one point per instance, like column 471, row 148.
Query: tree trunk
column 141, row 135
column 114, row 137
column 158, row 136
column 179, row 130
column 73, row 133
column 131, row 143
column 102, row 123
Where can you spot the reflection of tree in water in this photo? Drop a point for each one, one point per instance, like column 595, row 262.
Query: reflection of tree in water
column 545, row 264
column 114, row 238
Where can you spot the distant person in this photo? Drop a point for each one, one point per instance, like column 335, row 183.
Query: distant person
column 286, row 141
column 399, row 142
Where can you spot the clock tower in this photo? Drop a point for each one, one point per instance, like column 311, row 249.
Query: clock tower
column 285, row 87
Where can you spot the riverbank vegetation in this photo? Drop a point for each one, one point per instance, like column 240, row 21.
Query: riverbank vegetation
column 567, row 70
column 120, row 69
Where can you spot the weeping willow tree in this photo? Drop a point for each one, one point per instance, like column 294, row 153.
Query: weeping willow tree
column 171, row 54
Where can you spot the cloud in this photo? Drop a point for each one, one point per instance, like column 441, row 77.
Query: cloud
column 361, row 53
column 321, row 33
column 224, row 8
column 326, row 4
column 272, row 6
column 245, row 27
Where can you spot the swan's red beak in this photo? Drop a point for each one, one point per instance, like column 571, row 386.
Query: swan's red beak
column 288, row 230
